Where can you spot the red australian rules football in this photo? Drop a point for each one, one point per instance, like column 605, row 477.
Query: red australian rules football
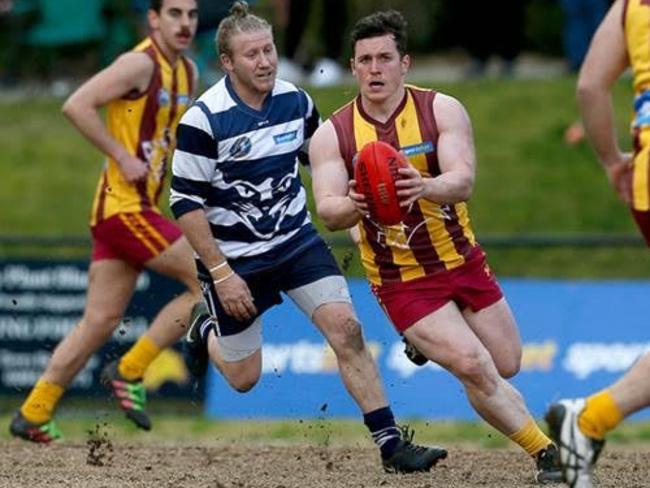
column 375, row 172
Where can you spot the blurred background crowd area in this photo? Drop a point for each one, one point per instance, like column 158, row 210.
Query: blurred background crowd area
column 57, row 43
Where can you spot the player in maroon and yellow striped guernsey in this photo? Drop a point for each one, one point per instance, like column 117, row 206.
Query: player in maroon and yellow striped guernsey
column 145, row 91
column 144, row 123
column 433, row 236
column 622, row 41
column 428, row 273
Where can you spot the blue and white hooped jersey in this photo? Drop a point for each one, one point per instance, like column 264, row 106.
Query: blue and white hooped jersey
column 241, row 166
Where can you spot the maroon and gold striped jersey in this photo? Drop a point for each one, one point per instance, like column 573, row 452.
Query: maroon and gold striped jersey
column 636, row 24
column 145, row 123
column 432, row 237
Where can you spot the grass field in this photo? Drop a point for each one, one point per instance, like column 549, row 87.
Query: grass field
column 182, row 421
column 179, row 421
column 529, row 181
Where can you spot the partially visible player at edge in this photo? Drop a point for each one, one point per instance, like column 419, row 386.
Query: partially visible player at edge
column 237, row 195
column 622, row 40
column 428, row 273
column 145, row 91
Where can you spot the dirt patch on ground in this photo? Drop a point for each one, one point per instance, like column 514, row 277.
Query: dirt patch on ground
column 269, row 466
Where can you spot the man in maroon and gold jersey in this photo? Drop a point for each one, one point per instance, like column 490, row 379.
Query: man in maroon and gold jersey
column 145, row 91
column 621, row 41
column 428, row 273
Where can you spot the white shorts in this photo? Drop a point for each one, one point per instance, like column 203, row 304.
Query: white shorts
column 331, row 289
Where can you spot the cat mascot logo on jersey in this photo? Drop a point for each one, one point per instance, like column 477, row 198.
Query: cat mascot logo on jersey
column 262, row 205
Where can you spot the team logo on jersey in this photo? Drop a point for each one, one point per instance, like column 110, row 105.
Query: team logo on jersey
column 241, row 147
column 261, row 206
column 422, row 148
column 163, row 97
column 183, row 99
column 286, row 137
column 400, row 235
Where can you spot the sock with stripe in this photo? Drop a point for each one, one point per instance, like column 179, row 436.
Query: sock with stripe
column 385, row 433
column 531, row 438
column 600, row 415
column 135, row 362
column 41, row 402
column 205, row 328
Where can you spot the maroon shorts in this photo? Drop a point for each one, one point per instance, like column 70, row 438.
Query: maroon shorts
column 643, row 222
column 134, row 237
column 471, row 285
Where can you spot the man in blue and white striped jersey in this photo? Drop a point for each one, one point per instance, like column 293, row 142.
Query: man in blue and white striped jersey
column 238, row 197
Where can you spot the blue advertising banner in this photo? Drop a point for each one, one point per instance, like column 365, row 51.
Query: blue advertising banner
column 577, row 337
column 40, row 301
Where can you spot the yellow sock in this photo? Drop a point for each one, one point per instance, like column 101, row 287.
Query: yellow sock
column 599, row 416
column 41, row 402
column 134, row 363
column 531, row 438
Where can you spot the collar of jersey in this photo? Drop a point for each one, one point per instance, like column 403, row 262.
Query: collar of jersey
column 260, row 114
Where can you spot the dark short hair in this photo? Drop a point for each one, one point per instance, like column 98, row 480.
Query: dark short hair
column 157, row 5
column 389, row 22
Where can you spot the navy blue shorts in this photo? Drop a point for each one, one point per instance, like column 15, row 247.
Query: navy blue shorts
column 312, row 264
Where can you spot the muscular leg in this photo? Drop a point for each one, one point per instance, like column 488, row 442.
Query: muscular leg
column 241, row 375
column 603, row 411
column 337, row 322
column 171, row 322
column 632, row 391
column 496, row 329
column 580, row 426
column 110, row 286
column 445, row 338
column 358, row 370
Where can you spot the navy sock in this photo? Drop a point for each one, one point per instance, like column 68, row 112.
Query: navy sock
column 385, row 433
column 205, row 328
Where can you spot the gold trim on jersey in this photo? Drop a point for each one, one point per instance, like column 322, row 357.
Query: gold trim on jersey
column 364, row 133
column 637, row 39
column 640, row 191
column 409, row 133
column 636, row 25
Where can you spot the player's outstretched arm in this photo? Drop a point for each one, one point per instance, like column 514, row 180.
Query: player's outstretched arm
column 330, row 182
column 130, row 72
column 605, row 62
